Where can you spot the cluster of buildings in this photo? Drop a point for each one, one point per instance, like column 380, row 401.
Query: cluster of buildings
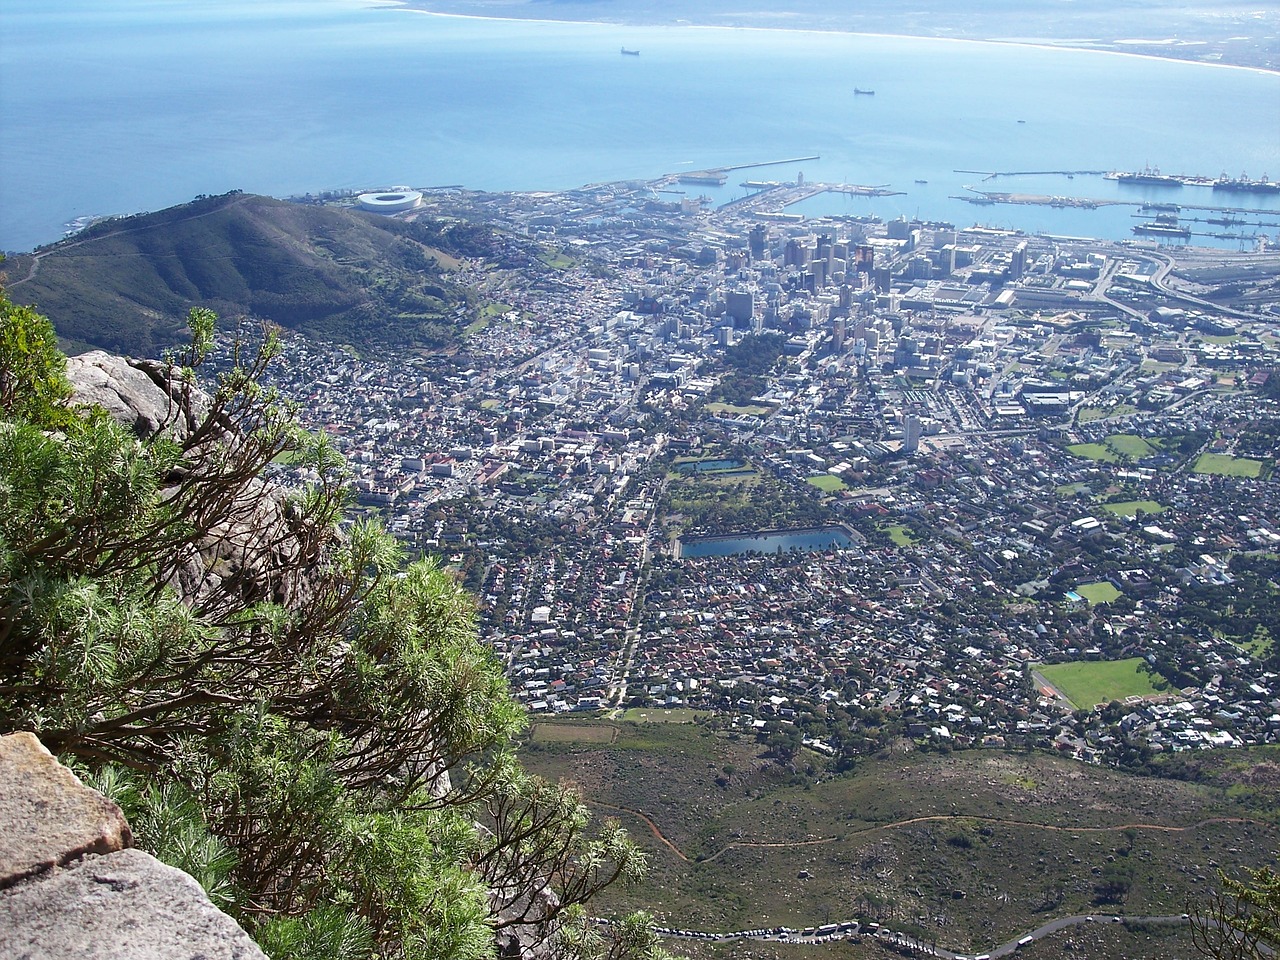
column 1041, row 449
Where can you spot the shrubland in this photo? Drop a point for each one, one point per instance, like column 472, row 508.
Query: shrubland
column 284, row 705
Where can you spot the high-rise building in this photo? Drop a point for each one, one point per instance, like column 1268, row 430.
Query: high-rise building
column 740, row 306
column 796, row 254
column 919, row 268
column 911, row 428
column 899, row 229
column 819, row 270
column 1018, row 264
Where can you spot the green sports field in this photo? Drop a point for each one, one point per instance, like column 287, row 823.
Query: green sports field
column 1100, row 592
column 1099, row 681
column 1117, row 447
column 1130, row 508
column 827, row 483
column 1224, row 465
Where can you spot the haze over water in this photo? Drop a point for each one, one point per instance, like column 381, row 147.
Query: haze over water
column 117, row 106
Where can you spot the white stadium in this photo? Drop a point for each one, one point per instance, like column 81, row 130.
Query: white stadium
column 392, row 201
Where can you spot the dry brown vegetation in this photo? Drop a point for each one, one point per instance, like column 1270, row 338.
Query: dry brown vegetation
column 967, row 850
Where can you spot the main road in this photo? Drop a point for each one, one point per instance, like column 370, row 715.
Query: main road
column 917, row 946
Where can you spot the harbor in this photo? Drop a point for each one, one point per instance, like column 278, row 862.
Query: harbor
column 772, row 198
column 984, row 197
column 1221, row 217
column 1166, row 221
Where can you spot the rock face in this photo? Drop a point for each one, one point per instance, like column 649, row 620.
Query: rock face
column 258, row 548
column 125, row 905
column 74, row 889
column 61, row 819
column 140, row 394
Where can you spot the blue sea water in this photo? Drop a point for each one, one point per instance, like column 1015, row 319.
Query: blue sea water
column 116, row 106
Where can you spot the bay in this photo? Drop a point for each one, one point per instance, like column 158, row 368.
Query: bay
column 117, row 106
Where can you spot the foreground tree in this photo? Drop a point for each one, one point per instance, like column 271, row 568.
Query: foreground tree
column 285, row 707
column 1242, row 920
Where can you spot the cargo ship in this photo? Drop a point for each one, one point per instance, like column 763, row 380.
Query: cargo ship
column 1163, row 228
column 1147, row 178
column 630, row 53
column 858, row 91
column 1243, row 184
column 1164, row 225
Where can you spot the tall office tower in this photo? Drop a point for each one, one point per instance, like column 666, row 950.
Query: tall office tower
column 740, row 305
column 911, row 428
column 1018, row 265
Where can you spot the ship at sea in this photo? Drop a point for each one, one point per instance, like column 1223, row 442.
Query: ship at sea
column 859, row 92
column 630, row 53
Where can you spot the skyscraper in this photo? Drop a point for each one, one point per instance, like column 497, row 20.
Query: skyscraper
column 911, row 428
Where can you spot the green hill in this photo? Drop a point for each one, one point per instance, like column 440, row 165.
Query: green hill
column 125, row 284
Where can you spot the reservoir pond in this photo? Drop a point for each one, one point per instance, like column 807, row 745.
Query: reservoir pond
column 710, row 466
column 769, row 541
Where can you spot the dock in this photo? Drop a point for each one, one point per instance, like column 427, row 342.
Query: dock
column 986, row 197
column 850, row 189
column 995, row 174
column 773, row 198
column 720, row 175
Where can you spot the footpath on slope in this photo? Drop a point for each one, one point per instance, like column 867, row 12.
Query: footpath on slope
column 912, row 944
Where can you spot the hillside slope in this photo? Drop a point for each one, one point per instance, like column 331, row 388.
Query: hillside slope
column 967, row 850
column 124, row 285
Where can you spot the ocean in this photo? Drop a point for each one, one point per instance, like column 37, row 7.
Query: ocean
column 119, row 106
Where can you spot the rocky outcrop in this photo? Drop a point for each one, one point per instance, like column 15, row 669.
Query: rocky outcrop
column 61, row 818
column 257, row 548
column 144, row 395
column 72, row 887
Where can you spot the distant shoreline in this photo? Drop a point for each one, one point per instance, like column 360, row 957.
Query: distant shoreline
column 1044, row 43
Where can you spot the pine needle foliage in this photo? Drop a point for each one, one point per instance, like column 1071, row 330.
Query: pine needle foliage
column 283, row 704
column 1241, row 920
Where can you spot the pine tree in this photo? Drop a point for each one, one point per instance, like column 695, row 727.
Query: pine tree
column 284, row 706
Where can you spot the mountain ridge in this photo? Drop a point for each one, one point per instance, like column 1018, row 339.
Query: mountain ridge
column 125, row 284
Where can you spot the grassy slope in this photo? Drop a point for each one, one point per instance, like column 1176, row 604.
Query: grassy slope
column 1001, row 842
column 125, row 285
